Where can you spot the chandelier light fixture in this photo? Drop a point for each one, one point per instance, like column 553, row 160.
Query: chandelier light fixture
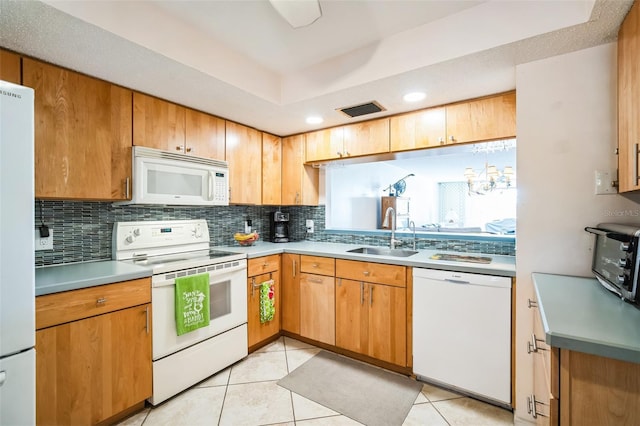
column 490, row 178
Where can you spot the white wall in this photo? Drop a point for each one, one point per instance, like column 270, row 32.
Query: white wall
column 566, row 116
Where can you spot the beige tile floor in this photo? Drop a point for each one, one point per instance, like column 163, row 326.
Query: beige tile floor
column 247, row 394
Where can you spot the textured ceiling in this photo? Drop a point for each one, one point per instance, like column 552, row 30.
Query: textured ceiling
column 239, row 60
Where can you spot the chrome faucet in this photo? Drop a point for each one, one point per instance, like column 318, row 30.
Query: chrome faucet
column 393, row 241
column 412, row 224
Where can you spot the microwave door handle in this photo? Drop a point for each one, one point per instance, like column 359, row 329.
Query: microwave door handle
column 210, row 185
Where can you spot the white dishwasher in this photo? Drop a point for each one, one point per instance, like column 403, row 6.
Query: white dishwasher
column 462, row 332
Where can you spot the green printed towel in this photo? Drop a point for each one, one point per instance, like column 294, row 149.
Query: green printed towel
column 267, row 301
column 192, row 303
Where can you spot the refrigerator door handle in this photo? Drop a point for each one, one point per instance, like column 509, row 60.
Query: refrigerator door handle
column 3, row 377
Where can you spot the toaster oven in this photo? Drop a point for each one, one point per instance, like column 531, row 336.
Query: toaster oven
column 615, row 258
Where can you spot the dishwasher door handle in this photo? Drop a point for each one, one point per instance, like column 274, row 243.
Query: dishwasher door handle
column 457, row 281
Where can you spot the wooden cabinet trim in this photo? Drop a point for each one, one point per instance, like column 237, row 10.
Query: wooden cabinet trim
column 59, row 308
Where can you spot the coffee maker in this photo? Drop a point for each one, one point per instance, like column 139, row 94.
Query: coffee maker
column 279, row 227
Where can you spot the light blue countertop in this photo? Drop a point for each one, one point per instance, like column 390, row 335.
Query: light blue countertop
column 53, row 279
column 579, row 314
column 500, row 265
column 73, row 276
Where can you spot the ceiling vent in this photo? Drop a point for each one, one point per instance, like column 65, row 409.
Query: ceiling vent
column 364, row 109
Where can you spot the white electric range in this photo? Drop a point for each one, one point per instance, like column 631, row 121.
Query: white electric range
column 178, row 248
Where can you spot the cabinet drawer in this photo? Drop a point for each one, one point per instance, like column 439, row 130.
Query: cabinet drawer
column 58, row 308
column 318, row 265
column 372, row 272
column 262, row 265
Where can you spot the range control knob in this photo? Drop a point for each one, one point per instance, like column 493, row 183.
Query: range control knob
column 136, row 232
column 130, row 239
column 624, row 246
column 622, row 263
column 197, row 231
column 620, row 279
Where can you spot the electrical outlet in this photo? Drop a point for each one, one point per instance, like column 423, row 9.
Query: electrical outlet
column 43, row 243
column 309, row 225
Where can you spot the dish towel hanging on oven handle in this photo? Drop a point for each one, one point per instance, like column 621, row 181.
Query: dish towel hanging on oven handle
column 192, row 303
column 267, row 301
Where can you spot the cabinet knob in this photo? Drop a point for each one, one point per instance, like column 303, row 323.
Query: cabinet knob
column 101, row 301
column 179, row 148
column 189, row 149
column 441, row 140
column 452, row 139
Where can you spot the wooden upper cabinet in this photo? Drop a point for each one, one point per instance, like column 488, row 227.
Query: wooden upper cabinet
column 299, row 182
column 244, row 155
column 482, row 119
column 416, row 130
column 368, row 137
column 9, row 66
column 204, row 135
column 158, row 124
column 82, row 134
column 629, row 101
column 324, row 144
column 271, row 169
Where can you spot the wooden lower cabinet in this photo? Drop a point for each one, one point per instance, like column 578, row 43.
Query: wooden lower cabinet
column 262, row 269
column 575, row 388
column 92, row 369
column 317, row 299
column 290, row 297
column 371, row 319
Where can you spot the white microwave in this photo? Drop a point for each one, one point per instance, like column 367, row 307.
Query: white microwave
column 167, row 178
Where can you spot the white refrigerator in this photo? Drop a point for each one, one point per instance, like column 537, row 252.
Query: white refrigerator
column 17, row 274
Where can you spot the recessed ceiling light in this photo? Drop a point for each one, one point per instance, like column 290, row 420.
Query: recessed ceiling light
column 314, row 120
column 414, row 96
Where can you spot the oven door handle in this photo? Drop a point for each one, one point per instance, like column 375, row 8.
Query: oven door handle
column 609, row 234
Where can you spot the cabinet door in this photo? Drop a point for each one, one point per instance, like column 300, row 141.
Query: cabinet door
column 158, row 124
column 271, row 170
column 82, row 134
column 317, row 308
column 351, row 316
column 204, row 135
column 9, row 66
column 482, row 119
column 387, row 320
column 300, row 183
column 324, row 144
column 291, row 293
column 368, row 137
column 422, row 129
column 92, row 369
column 629, row 101
column 258, row 331
column 244, row 155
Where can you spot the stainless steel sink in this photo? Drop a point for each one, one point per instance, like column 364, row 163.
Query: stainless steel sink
column 382, row 251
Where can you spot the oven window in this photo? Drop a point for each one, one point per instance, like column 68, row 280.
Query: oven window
column 219, row 299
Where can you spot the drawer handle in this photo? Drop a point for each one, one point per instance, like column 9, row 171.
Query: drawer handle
column 531, row 406
column 146, row 312
column 315, row 265
column 532, row 303
column 365, row 273
column 532, row 346
column 315, row 280
column 101, row 301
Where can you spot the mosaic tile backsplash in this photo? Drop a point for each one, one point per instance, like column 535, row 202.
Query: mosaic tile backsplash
column 82, row 230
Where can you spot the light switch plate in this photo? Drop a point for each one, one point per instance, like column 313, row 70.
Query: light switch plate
column 603, row 182
column 43, row 243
